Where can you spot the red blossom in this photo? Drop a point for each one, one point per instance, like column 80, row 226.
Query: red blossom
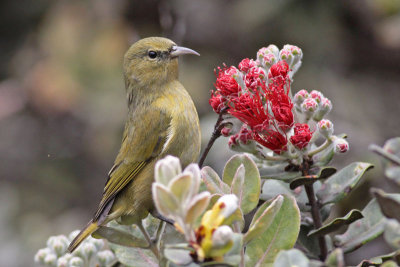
column 216, row 102
column 302, row 135
column 279, row 69
column 281, row 104
column 226, row 85
column 246, row 64
column 254, row 78
column 249, row 109
column 273, row 140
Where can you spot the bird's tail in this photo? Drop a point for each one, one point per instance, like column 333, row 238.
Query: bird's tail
column 90, row 228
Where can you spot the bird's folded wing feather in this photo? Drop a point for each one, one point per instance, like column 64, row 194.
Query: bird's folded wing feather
column 144, row 139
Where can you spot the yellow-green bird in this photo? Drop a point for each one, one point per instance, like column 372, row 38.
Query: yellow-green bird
column 162, row 120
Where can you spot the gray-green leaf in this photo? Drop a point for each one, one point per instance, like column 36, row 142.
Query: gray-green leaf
column 341, row 184
column 334, row 225
column 363, row 230
column 252, row 182
column 389, row 203
column 263, row 218
column 280, row 235
column 291, row 258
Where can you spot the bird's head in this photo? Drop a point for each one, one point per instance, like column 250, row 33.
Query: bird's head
column 153, row 61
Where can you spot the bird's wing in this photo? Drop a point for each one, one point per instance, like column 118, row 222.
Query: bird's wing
column 140, row 144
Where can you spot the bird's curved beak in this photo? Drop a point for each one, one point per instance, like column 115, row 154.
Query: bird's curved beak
column 179, row 50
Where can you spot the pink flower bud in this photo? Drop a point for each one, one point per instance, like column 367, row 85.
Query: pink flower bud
column 309, row 106
column 325, row 128
column 246, row 64
column 300, row 96
column 340, row 145
column 245, row 134
column 317, row 95
column 291, row 54
column 268, row 55
column 226, row 131
column 233, row 141
column 325, row 106
column 269, row 60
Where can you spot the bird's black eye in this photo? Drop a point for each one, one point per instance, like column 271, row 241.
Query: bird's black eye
column 152, row 54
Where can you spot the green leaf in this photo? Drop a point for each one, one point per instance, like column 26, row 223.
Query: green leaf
column 291, row 258
column 134, row 257
column 335, row 259
column 252, row 183
column 263, row 218
column 180, row 186
column 309, row 244
column 391, row 158
column 280, row 235
column 334, row 225
column 392, row 233
column 197, row 206
column 389, row 203
column 389, row 264
column 363, row 230
column 278, row 172
column 324, row 157
column 310, row 179
column 233, row 256
column 213, row 183
column 178, row 256
column 237, row 187
column 271, row 188
column 395, row 255
column 165, row 201
column 342, row 183
column 120, row 237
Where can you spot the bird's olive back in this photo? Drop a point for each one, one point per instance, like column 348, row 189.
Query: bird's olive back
column 148, row 63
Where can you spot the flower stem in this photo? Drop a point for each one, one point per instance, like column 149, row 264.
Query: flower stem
column 159, row 233
column 314, row 210
column 216, row 133
column 146, row 235
column 320, row 148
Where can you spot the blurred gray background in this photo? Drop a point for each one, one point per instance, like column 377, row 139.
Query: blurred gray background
column 62, row 98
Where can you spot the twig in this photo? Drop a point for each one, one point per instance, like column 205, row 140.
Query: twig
column 146, row 235
column 216, row 133
column 314, row 211
column 327, row 143
column 159, row 233
column 381, row 152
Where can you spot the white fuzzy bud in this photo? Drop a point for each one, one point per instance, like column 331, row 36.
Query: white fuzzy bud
column 89, row 249
column 50, row 259
column 166, row 169
column 64, row 260
column 76, row 262
column 41, row 255
column 105, row 257
column 228, row 204
column 222, row 236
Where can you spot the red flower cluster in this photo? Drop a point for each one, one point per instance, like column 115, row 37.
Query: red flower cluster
column 264, row 105
column 302, row 135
